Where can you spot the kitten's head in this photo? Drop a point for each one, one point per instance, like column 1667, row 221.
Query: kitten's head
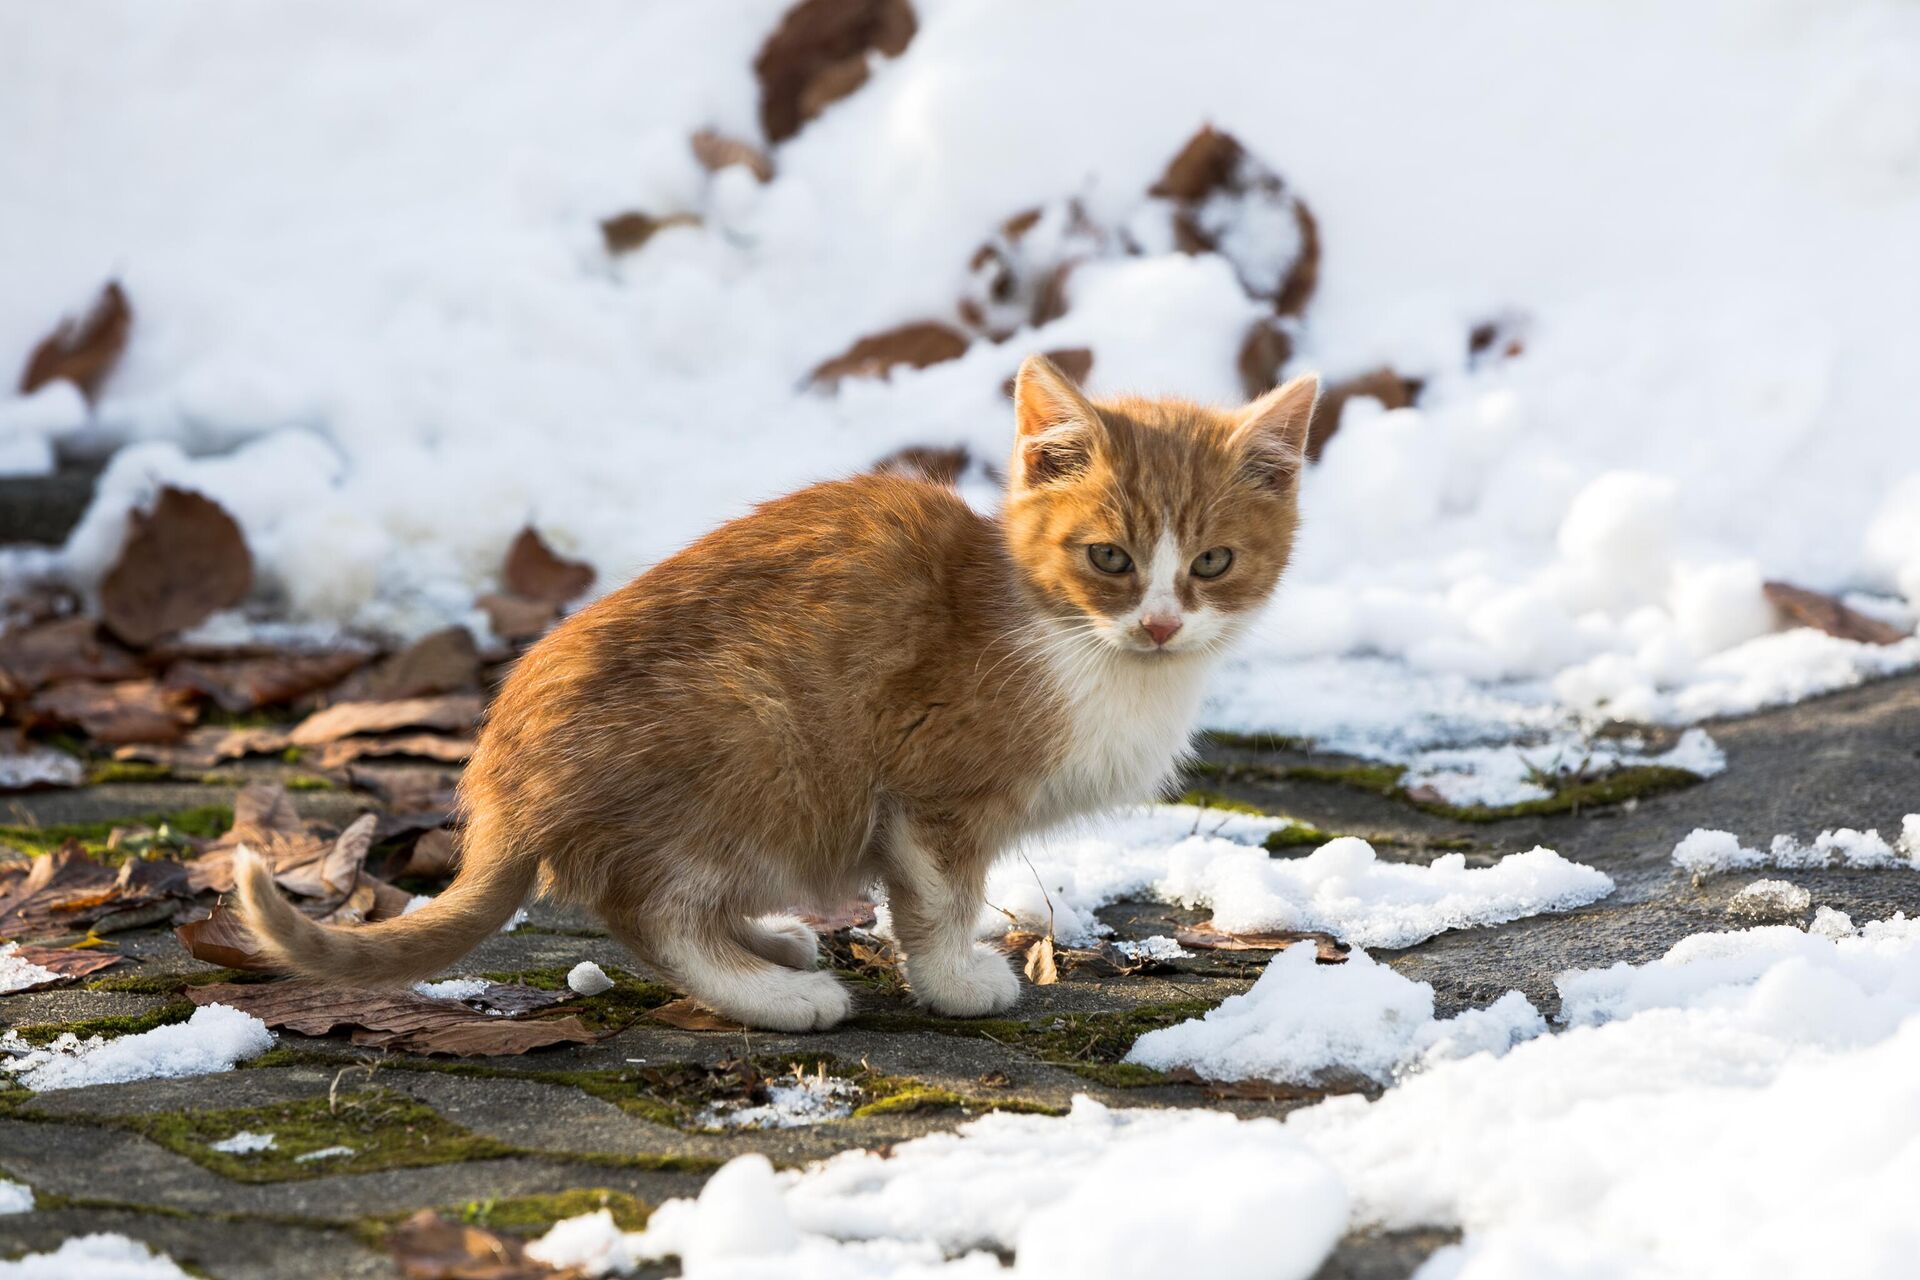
column 1153, row 526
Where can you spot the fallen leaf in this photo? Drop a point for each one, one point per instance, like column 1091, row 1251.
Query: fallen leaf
column 1804, row 608
column 333, row 873
column 430, row 1247
column 222, row 939
column 247, row 684
column 127, row 711
column 65, row 649
column 400, row 1020
column 1214, row 183
column 408, row 789
column 685, row 1014
column 625, row 232
column 916, row 345
column 1040, row 968
column 65, row 963
column 534, row 572
column 1501, row 339
column 456, row 712
column 512, row 618
column 1017, row 279
column 807, row 63
column 1264, row 352
column 1105, row 960
column 426, row 746
column 716, row 151
column 180, row 562
column 435, row 854
column 1384, row 385
column 68, row 891
column 83, row 351
column 444, row 661
column 1204, row 937
column 206, row 746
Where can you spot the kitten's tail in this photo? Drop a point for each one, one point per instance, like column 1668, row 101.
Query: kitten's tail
column 386, row 953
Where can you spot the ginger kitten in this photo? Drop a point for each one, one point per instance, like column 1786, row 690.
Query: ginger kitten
column 863, row 682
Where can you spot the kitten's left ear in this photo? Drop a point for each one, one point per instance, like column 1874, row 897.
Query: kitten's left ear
column 1272, row 432
column 1056, row 426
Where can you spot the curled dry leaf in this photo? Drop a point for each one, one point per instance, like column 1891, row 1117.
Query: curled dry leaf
column 513, row 618
column 1226, row 201
column 716, row 151
column 533, row 571
column 181, row 562
column 425, row 746
column 66, row 964
column 206, row 746
column 1204, row 937
column 625, row 232
column 247, row 684
column 430, row 1247
column 391, row 1019
column 1264, row 352
column 818, row 55
column 1018, row 277
column 127, row 711
column 67, row 891
column 1040, row 967
column 444, row 661
column 916, row 345
column 222, row 939
column 83, row 351
column 1384, row 385
column 1804, row 608
column 65, row 649
column 457, row 713
column 408, row 789
column 688, row 1015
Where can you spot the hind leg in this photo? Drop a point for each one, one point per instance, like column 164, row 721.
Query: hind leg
column 713, row 961
column 784, row 939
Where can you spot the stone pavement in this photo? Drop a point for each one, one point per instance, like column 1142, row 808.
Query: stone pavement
column 496, row 1140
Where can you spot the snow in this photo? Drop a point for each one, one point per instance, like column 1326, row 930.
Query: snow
column 103, row 1256
column 1770, row 900
column 1157, row 948
column 213, row 1039
column 15, row 1197
column 1704, row 851
column 451, row 988
column 245, row 1143
column 1512, row 773
column 588, row 979
column 1308, row 1023
column 793, row 1100
column 34, row 765
column 1576, row 533
column 17, row 974
column 1211, row 858
column 324, row 1153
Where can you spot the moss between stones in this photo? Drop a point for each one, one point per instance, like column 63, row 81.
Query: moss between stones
column 205, row 821
column 108, row 772
column 114, row 1025
column 165, row 984
column 386, row 1129
column 1571, row 796
column 532, row 1215
column 1089, row 1044
column 1255, row 741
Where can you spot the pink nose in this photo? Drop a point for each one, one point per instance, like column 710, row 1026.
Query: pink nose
column 1162, row 629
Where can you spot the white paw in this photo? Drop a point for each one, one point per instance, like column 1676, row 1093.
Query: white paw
column 789, row 1002
column 785, row 940
column 973, row 984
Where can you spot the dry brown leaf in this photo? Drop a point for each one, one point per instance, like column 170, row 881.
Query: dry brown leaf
column 205, row 747
column 512, row 618
column 83, row 351
column 430, row 1247
column 1213, row 168
column 1040, row 968
column 916, row 345
column 454, row 712
column 65, row 963
column 65, row 649
column 1384, row 385
column 1204, row 937
column 180, row 562
column 533, row 571
column 807, row 63
column 716, row 151
column 408, row 789
column 685, row 1014
column 434, row 854
column 391, row 1019
column 1804, row 608
column 1016, row 281
column 247, row 684
column 67, row 891
column 426, row 746
column 445, row 661
column 1264, row 352
column 625, row 232
column 128, row 711
column 222, row 939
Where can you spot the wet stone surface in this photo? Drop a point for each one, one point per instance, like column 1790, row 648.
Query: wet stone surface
column 584, row 1116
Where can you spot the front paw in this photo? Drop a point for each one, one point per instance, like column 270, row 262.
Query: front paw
column 972, row 984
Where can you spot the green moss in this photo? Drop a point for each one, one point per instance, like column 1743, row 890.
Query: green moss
column 205, row 821
column 12, row 1095
column 307, row 782
column 1301, row 835
column 164, row 984
column 1617, row 787
column 1201, row 798
column 385, row 1129
column 909, row 1099
column 532, row 1215
column 621, row 1006
column 115, row 1025
column 1119, row 1075
column 1381, row 779
column 1255, row 741
column 108, row 772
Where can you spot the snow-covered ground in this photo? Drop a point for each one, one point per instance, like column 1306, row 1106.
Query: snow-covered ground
column 375, row 319
column 213, row 1039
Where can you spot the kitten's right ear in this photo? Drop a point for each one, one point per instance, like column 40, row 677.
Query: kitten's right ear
column 1054, row 425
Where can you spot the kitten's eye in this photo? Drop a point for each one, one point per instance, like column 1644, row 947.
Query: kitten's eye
column 1211, row 564
column 1108, row 558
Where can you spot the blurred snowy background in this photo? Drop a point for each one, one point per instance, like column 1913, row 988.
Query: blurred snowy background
column 1626, row 292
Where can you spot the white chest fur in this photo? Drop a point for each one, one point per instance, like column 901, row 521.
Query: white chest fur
column 1132, row 718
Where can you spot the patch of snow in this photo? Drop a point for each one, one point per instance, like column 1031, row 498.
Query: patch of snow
column 792, row 1101
column 1770, row 901
column 245, row 1143
column 451, row 988
column 1830, row 924
column 213, row 1039
column 1303, row 1022
column 588, row 979
column 37, row 765
column 15, row 1197
column 17, row 974
column 518, row 918
column 1704, row 851
column 1159, row 947
column 416, row 902
column 1512, row 773
column 324, row 1153
column 102, row 1256
column 31, row 424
